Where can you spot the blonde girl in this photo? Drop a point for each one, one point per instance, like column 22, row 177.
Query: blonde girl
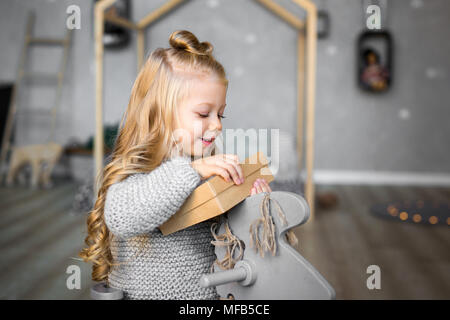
column 161, row 154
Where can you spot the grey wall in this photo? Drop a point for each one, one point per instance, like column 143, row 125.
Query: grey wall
column 405, row 129
column 366, row 132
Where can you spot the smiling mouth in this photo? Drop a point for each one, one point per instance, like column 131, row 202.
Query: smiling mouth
column 207, row 142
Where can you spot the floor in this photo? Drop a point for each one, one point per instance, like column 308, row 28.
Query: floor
column 40, row 238
column 414, row 259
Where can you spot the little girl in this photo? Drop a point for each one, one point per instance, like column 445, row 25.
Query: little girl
column 173, row 116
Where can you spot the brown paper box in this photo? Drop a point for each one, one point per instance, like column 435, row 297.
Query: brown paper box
column 216, row 196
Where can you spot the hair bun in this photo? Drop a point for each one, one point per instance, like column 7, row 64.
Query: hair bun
column 185, row 40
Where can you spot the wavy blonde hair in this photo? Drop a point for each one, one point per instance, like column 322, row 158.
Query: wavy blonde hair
column 145, row 138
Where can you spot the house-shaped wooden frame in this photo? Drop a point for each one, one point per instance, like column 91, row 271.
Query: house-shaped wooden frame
column 307, row 38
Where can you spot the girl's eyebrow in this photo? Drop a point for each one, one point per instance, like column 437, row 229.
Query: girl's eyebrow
column 209, row 104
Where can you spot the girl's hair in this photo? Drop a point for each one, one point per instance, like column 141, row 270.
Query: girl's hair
column 145, row 137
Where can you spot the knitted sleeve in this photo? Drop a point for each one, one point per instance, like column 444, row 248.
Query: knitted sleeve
column 144, row 201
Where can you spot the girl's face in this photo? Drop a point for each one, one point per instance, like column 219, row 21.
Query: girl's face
column 200, row 116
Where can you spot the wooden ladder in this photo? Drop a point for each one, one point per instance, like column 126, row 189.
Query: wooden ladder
column 23, row 75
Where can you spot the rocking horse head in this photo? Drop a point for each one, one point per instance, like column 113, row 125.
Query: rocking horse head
column 255, row 248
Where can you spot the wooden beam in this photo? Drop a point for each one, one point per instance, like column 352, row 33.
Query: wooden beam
column 152, row 16
column 99, row 140
column 119, row 21
column 283, row 13
column 58, row 95
column 103, row 5
column 300, row 94
column 311, row 50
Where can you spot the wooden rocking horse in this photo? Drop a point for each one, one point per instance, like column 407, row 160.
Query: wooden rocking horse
column 284, row 274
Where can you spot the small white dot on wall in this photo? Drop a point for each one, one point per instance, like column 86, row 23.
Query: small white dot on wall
column 416, row 4
column 331, row 50
column 404, row 114
column 250, row 38
column 431, row 73
column 212, row 3
column 238, row 71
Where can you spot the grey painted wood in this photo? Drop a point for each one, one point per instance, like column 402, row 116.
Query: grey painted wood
column 287, row 275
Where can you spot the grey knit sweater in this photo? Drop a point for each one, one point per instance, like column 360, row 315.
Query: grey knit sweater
column 165, row 267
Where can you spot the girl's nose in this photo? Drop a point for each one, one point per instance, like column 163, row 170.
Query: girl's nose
column 215, row 125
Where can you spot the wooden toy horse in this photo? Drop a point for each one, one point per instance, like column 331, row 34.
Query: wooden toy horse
column 285, row 275
column 36, row 155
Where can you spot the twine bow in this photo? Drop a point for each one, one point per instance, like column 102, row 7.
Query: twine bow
column 266, row 243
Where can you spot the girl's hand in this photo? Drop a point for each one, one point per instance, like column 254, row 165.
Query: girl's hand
column 225, row 165
column 260, row 185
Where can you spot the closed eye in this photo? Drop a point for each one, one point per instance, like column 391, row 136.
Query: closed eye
column 207, row 115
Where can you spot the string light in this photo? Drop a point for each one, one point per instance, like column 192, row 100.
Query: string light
column 404, row 215
column 393, row 211
column 417, row 217
column 433, row 220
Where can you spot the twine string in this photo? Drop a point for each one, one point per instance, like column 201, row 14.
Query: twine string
column 265, row 242
column 231, row 242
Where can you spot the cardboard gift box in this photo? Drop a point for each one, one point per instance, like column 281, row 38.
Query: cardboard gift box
column 216, row 196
